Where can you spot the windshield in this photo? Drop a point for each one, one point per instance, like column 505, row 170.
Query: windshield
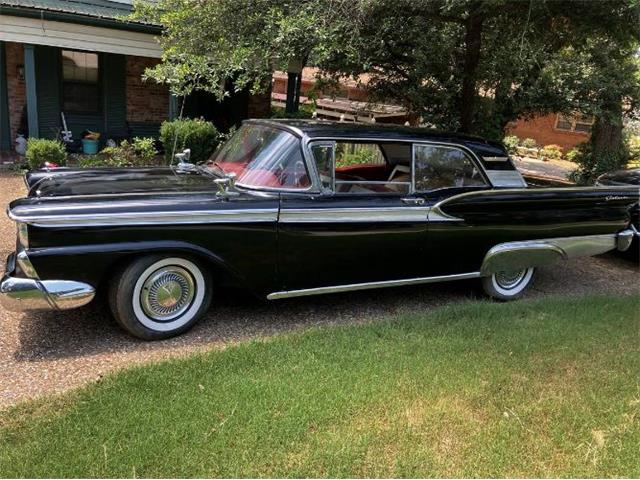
column 263, row 156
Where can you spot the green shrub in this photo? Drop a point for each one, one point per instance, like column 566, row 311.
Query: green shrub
column 572, row 155
column 137, row 153
column 511, row 143
column 529, row 143
column 196, row 134
column 40, row 150
column 591, row 166
column 633, row 147
column 304, row 111
column 553, row 152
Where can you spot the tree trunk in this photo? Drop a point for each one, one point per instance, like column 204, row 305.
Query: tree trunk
column 606, row 135
column 473, row 43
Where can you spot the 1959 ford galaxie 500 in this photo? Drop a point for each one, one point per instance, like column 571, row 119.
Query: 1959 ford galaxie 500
column 290, row 208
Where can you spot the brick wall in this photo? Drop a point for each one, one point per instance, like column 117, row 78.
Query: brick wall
column 146, row 101
column 16, row 91
column 542, row 130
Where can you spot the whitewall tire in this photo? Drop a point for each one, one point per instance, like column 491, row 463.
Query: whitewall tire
column 508, row 285
column 157, row 297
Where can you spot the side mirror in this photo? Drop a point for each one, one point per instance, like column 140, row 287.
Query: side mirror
column 225, row 184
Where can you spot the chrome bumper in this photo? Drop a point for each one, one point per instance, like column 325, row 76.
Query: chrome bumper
column 24, row 294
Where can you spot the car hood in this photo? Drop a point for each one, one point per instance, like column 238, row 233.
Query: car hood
column 101, row 181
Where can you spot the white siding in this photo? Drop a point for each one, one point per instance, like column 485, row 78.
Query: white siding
column 79, row 37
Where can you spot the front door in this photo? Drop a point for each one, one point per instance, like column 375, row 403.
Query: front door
column 366, row 226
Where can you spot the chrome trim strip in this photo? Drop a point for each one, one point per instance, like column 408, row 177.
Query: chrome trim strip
column 506, row 178
column 493, row 191
column 370, row 285
column 534, row 253
column 346, row 215
column 437, row 215
column 150, row 218
column 495, row 159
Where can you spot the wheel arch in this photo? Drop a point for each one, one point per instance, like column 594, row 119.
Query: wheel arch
column 106, row 259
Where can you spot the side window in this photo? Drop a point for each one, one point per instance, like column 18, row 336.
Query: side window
column 444, row 167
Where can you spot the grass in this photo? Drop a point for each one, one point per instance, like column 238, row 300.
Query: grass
column 543, row 388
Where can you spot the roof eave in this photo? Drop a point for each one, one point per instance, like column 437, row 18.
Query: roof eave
column 81, row 19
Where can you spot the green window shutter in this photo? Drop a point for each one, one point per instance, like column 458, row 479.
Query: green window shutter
column 48, row 86
column 114, row 96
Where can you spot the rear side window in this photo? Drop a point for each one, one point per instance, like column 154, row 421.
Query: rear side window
column 439, row 167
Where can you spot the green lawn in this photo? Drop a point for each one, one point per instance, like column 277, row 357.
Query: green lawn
column 532, row 388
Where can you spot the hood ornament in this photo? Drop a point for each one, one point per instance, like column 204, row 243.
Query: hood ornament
column 184, row 166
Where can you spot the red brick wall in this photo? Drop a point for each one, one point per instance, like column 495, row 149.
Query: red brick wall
column 15, row 86
column 542, row 130
column 146, row 101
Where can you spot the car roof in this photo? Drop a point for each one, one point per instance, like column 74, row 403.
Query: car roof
column 314, row 129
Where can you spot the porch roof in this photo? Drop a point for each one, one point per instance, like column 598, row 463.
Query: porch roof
column 81, row 11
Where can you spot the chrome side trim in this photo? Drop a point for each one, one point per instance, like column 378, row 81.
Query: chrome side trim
column 370, row 285
column 506, row 178
column 495, row 159
column 150, row 218
column 346, row 215
column 437, row 215
column 534, row 253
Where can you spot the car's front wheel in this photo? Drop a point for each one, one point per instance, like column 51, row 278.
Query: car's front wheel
column 157, row 297
column 508, row 285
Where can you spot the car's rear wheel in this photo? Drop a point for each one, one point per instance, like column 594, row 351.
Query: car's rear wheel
column 157, row 297
column 508, row 285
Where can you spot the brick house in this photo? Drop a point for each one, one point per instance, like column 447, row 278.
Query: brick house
column 350, row 104
column 80, row 59
column 555, row 128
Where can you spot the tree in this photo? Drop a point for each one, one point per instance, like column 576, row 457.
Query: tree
column 205, row 43
column 467, row 65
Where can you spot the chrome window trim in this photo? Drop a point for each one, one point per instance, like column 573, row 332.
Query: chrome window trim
column 310, row 144
column 366, row 139
column 152, row 218
column 370, row 285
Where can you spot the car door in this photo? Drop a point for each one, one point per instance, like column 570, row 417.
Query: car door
column 454, row 245
column 352, row 231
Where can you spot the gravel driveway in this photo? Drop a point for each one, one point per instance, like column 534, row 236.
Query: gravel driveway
column 52, row 352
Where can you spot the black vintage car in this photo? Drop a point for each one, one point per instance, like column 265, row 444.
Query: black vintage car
column 291, row 208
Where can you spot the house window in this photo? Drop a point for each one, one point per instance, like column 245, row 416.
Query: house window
column 574, row 123
column 80, row 86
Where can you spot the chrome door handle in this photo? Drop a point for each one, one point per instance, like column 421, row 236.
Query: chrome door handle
column 412, row 201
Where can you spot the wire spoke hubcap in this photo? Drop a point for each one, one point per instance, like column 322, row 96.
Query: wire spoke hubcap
column 510, row 279
column 167, row 293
